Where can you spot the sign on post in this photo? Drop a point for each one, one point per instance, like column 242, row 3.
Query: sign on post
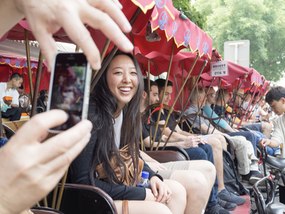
column 237, row 52
column 219, row 69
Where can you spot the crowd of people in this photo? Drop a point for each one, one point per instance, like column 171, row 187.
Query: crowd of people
column 96, row 148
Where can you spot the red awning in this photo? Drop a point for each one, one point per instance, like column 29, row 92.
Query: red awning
column 10, row 64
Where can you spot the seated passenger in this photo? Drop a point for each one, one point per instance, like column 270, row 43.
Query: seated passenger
column 263, row 127
column 24, row 100
column 222, row 99
column 264, row 116
column 195, row 149
column 247, row 161
column 10, row 108
column 276, row 99
column 116, row 127
column 42, row 101
column 197, row 177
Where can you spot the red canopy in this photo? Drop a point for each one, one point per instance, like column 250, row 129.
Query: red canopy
column 10, row 64
column 159, row 63
column 162, row 16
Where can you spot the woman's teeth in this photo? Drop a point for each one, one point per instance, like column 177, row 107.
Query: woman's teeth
column 125, row 89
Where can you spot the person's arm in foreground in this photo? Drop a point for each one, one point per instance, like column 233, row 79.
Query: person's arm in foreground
column 268, row 142
column 46, row 17
column 30, row 169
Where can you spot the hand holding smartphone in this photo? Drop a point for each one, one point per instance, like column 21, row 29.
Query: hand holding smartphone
column 70, row 88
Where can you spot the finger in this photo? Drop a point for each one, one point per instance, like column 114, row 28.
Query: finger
column 99, row 20
column 65, row 158
column 38, row 126
column 165, row 195
column 161, row 193
column 64, row 141
column 47, row 45
column 154, row 190
column 169, row 194
column 78, row 33
column 108, row 7
column 43, row 136
column 118, row 4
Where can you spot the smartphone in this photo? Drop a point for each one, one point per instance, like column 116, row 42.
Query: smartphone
column 70, row 88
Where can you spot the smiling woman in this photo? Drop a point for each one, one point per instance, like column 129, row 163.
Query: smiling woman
column 115, row 113
column 122, row 79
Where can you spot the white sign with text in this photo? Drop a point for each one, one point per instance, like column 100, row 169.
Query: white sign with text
column 219, row 69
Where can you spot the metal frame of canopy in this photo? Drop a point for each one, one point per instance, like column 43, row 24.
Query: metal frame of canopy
column 23, row 29
column 253, row 80
column 240, row 77
column 178, row 62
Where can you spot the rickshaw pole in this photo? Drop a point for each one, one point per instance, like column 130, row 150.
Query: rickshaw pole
column 200, row 107
column 161, row 104
column 155, row 67
column 61, row 191
column 27, row 44
column 54, row 196
column 234, row 102
column 188, row 99
column 132, row 38
column 175, row 80
column 257, row 98
column 241, row 104
column 106, row 46
column 182, row 81
column 249, row 104
column 148, row 83
column 112, row 53
column 220, row 81
column 37, row 84
column 176, row 98
column 223, row 110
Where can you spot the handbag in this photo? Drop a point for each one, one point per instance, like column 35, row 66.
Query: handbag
column 128, row 162
column 118, row 171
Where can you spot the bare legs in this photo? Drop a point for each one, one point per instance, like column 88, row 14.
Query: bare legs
column 176, row 205
column 198, row 181
column 218, row 159
column 143, row 207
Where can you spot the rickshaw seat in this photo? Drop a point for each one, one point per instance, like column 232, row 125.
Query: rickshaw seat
column 5, row 120
column 171, row 153
column 78, row 198
column 45, row 210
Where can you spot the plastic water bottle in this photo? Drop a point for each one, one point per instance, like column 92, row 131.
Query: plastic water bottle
column 144, row 182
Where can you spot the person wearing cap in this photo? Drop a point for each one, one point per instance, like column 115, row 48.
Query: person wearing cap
column 9, row 97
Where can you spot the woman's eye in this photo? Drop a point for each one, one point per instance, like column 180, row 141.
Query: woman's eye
column 134, row 73
column 118, row 72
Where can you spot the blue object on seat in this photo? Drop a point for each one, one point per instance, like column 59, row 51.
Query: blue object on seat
column 3, row 141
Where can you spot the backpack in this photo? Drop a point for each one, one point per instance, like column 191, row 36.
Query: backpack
column 231, row 178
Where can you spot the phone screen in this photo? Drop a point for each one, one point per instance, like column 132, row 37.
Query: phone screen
column 67, row 90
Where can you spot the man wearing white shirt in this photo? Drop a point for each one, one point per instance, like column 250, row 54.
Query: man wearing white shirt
column 276, row 99
column 10, row 89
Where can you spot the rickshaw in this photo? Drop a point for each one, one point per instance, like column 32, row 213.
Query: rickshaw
column 164, row 23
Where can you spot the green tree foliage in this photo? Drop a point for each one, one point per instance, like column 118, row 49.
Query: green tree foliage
column 260, row 21
column 190, row 11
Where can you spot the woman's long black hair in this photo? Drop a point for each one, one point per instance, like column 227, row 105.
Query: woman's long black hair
column 103, row 105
